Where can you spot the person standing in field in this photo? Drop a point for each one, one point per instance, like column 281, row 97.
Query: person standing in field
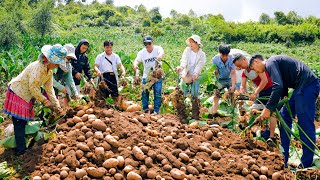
column 287, row 72
column 26, row 87
column 106, row 66
column 150, row 57
column 264, row 88
column 226, row 73
column 191, row 64
column 62, row 79
column 81, row 63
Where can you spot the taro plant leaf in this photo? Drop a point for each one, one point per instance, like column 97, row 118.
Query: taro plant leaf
column 8, row 142
column 50, row 135
column 38, row 136
column 110, row 100
column 33, row 127
column 317, row 163
column 1, row 119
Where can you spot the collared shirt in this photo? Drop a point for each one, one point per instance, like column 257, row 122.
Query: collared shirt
column 224, row 69
column 148, row 59
column 27, row 84
column 105, row 65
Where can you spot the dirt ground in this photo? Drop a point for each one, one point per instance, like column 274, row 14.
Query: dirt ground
column 213, row 151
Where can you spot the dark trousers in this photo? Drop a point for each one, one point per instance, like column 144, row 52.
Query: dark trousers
column 111, row 81
column 19, row 133
column 303, row 104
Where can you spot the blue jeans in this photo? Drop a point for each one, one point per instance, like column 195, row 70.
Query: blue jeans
column 303, row 104
column 192, row 88
column 157, row 88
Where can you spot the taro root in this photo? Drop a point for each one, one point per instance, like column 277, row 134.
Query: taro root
column 133, row 176
column 110, row 163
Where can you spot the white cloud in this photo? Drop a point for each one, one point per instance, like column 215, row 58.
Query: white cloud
column 232, row 10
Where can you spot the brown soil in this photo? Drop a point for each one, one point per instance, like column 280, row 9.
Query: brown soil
column 224, row 155
column 179, row 105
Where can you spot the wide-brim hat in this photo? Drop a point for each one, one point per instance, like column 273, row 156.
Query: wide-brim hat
column 55, row 54
column 196, row 38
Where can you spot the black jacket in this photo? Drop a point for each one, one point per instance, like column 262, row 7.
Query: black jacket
column 286, row 72
column 81, row 63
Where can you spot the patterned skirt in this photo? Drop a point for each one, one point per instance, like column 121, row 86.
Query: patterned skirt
column 17, row 107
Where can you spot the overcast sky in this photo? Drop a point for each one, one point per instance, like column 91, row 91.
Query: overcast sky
column 232, row 10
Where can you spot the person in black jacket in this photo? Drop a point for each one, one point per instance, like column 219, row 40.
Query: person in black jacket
column 287, row 72
column 81, row 63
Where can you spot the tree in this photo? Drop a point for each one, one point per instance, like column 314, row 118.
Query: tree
column 264, row 18
column 141, row 9
column 191, row 13
column 184, row 20
column 69, row 1
column 280, row 17
column 173, row 13
column 294, row 18
column 42, row 19
column 109, row 2
column 155, row 15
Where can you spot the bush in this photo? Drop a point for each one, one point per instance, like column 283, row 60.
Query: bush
column 107, row 12
column 42, row 19
column 9, row 33
column 138, row 30
column 184, row 20
column 146, row 23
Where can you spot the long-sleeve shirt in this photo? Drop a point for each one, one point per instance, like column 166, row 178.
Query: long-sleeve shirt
column 79, row 65
column 67, row 79
column 194, row 67
column 27, row 84
column 286, row 72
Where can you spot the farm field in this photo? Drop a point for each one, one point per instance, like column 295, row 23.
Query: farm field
column 96, row 140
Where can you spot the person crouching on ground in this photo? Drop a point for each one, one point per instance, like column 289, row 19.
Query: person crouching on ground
column 25, row 88
column 106, row 66
column 191, row 64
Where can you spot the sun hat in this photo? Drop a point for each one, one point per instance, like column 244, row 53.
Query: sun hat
column 196, row 38
column 55, row 54
column 70, row 50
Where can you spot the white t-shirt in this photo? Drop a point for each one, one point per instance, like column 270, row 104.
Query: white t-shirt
column 192, row 62
column 105, row 65
column 239, row 75
column 148, row 59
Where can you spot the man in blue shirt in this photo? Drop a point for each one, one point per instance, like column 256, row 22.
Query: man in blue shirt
column 287, row 72
column 226, row 72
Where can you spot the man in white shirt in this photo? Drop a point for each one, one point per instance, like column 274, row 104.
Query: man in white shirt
column 151, row 57
column 106, row 65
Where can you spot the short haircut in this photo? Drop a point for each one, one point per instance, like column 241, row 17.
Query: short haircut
column 224, row 49
column 108, row 43
column 237, row 57
column 256, row 56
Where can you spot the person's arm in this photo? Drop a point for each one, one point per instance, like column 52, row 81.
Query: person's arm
column 243, row 87
column 74, row 71
column 70, row 82
column 56, row 84
column 136, row 63
column 48, row 87
column 122, row 69
column 263, row 83
column 161, row 54
column 277, row 86
column 86, row 69
column 96, row 69
column 34, row 86
column 183, row 61
column 233, row 79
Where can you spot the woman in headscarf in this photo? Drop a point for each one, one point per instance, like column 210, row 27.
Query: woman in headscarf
column 26, row 87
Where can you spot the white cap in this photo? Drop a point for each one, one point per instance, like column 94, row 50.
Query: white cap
column 70, row 50
column 196, row 38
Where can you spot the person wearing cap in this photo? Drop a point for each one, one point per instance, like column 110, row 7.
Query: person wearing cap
column 26, row 87
column 106, row 66
column 264, row 88
column 191, row 64
column 81, row 63
column 151, row 57
column 287, row 72
column 225, row 71
column 62, row 79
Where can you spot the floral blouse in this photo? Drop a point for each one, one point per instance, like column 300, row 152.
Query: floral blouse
column 27, row 84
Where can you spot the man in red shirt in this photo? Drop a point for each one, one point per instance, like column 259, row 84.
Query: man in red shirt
column 264, row 87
